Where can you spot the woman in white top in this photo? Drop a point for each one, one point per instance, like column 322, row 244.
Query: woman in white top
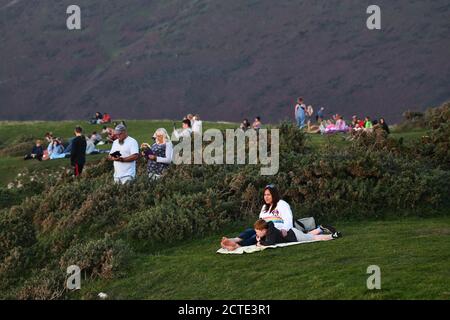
column 274, row 209
column 159, row 155
column 279, row 212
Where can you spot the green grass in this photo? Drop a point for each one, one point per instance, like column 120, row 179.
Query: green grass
column 413, row 254
column 141, row 130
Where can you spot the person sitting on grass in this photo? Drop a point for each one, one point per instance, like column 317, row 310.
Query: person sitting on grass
column 106, row 118
column 110, row 136
column 268, row 235
column 97, row 119
column 245, row 125
column 384, row 125
column 95, row 137
column 36, row 153
column 368, row 124
column 274, row 209
column 257, row 123
column 279, row 213
column 56, row 149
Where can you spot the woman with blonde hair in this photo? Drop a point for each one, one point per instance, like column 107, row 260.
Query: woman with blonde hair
column 159, row 155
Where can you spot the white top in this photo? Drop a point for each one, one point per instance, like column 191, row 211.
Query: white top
column 90, row 146
column 281, row 216
column 169, row 154
column 128, row 148
column 184, row 133
column 197, row 126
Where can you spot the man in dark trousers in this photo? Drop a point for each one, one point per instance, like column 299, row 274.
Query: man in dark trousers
column 78, row 152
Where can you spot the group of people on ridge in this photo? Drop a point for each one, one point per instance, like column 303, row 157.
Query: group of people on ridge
column 256, row 125
column 303, row 115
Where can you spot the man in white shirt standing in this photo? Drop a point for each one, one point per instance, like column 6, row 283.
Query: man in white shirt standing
column 124, row 153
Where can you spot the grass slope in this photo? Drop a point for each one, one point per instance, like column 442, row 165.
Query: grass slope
column 142, row 130
column 413, row 255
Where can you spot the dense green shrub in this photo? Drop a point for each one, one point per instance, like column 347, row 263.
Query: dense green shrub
column 16, row 230
column 182, row 216
column 102, row 258
column 436, row 145
column 20, row 146
column 45, row 284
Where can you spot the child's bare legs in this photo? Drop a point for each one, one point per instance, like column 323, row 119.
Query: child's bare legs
column 316, row 231
column 323, row 237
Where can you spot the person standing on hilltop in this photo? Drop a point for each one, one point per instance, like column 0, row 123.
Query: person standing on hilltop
column 78, row 152
column 197, row 125
column 300, row 114
column 320, row 115
column 124, row 152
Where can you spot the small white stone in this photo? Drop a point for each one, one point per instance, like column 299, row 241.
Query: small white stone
column 102, row 295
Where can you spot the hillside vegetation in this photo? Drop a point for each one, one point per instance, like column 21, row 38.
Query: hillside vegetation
column 112, row 231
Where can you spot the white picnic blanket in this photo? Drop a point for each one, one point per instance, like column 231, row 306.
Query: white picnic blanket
column 254, row 248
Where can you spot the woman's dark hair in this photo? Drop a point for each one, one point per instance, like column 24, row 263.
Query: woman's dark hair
column 275, row 197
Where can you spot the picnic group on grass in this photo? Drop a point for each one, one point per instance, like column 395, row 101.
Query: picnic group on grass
column 336, row 124
column 275, row 224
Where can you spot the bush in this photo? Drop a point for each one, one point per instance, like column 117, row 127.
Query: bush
column 102, row 258
column 46, row 284
column 16, row 230
column 182, row 216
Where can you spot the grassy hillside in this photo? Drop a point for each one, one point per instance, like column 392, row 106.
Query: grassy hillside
column 157, row 240
column 412, row 254
column 142, row 130
column 11, row 132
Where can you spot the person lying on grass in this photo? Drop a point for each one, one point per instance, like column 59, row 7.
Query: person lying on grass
column 268, row 235
column 276, row 211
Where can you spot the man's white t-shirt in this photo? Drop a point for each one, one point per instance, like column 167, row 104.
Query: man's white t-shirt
column 281, row 216
column 128, row 148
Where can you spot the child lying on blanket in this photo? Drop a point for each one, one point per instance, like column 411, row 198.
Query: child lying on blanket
column 267, row 235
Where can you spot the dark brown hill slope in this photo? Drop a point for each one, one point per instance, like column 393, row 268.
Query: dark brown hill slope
column 223, row 59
